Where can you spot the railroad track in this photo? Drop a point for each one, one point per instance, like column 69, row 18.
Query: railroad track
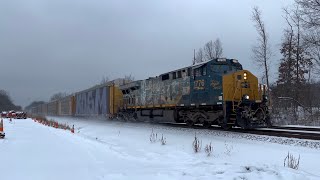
column 277, row 131
column 315, row 129
column 311, row 135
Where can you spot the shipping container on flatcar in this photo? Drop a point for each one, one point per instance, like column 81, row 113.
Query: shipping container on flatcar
column 101, row 100
column 52, row 109
column 67, row 106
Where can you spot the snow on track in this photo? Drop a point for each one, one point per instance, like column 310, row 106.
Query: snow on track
column 115, row 150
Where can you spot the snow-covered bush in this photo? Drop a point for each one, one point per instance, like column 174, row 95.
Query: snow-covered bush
column 228, row 149
column 196, row 145
column 163, row 140
column 208, row 149
column 153, row 137
column 291, row 161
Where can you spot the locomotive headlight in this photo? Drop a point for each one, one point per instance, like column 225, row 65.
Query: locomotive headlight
column 246, row 97
column 265, row 98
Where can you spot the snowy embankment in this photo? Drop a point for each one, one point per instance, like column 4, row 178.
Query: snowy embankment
column 103, row 149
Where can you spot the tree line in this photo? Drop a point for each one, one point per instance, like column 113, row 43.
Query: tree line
column 210, row 50
column 294, row 94
column 6, row 103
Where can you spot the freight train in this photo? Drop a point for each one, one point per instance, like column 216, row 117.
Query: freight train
column 215, row 92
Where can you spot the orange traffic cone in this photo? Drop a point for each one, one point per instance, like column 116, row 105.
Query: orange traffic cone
column 2, row 134
column 72, row 129
column 1, row 125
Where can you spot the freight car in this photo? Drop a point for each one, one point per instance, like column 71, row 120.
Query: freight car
column 214, row 92
column 66, row 106
column 53, row 108
column 102, row 100
column 40, row 110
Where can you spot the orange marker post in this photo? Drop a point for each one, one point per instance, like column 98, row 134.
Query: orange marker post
column 72, row 130
column 2, row 134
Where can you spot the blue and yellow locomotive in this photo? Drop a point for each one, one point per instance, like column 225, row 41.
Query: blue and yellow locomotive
column 216, row 92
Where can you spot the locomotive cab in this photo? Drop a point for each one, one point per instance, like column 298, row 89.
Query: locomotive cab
column 245, row 101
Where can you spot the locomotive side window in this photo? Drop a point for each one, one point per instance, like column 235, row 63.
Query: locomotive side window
column 204, row 70
column 197, row 72
column 189, row 72
column 179, row 74
column 174, row 75
column 165, row 77
column 225, row 69
column 215, row 68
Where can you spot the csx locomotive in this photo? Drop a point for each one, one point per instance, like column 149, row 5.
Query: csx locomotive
column 216, row 92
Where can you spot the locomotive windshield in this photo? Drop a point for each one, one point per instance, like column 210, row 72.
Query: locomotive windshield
column 225, row 66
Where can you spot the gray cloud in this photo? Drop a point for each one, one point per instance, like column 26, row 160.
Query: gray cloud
column 49, row 46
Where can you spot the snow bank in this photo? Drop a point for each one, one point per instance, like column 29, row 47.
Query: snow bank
column 116, row 150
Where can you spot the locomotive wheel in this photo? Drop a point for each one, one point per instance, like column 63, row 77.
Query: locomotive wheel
column 226, row 127
column 206, row 124
column 260, row 114
column 190, row 123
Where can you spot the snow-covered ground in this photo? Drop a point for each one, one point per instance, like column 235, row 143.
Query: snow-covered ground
column 102, row 149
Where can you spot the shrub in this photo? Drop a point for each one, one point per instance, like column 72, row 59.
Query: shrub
column 163, row 140
column 153, row 137
column 196, row 145
column 208, row 149
column 228, row 150
column 291, row 161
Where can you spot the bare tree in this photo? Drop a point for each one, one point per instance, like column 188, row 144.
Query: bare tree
column 217, row 48
column 208, row 51
column 301, row 56
column 104, row 80
column 315, row 54
column 261, row 51
column 128, row 78
column 6, row 102
column 58, row 96
column 294, row 65
column 309, row 12
column 199, row 56
column 212, row 50
column 295, row 17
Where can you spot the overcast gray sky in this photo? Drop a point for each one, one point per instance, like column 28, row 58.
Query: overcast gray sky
column 50, row 46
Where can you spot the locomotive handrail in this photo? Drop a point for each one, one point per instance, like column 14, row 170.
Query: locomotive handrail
column 234, row 94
